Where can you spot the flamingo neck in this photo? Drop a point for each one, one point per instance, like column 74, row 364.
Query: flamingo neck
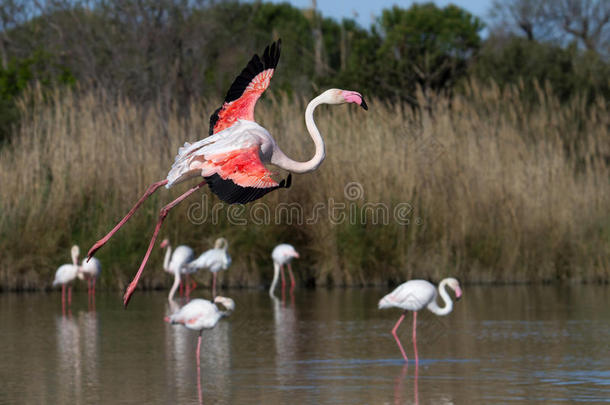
column 168, row 255
column 276, row 273
column 75, row 259
column 433, row 306
column 283, row 161
column 176, row 284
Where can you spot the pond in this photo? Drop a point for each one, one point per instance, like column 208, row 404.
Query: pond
column 509, row 344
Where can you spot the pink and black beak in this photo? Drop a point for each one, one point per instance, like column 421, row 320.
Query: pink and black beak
column 363, row 104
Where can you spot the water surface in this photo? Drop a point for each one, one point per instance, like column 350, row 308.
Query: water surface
column 511, row 344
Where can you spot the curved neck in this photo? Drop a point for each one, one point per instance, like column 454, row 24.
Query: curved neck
column 75, row 259
column 281, row 160
column 168, row 255
column 176, row 284
column 433, row 306
column 276, row 273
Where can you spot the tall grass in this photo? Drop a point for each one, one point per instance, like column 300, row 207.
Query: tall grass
column 492, row 190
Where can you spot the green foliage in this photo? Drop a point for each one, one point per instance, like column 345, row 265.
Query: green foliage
column 21, row 73
column 568, row 70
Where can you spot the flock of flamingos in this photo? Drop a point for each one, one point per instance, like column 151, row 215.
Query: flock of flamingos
column 231, row 161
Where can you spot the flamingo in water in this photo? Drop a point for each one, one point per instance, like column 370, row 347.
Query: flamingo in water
column 65, row 275
column 282, row 255
column 90, row 270
column 200, row 314
column 231, row 160
column 175, row 262
column 214, row 259
column 415, row 295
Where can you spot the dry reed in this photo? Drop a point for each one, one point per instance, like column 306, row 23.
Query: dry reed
column 492, row 190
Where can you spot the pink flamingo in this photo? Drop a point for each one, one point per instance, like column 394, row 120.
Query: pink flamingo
column 231, row 160
column 90, row 270
column 200, row 314
column 175, row 263
column 282, row 255
column 415, row 295
column 215, row 259
column 65, row 275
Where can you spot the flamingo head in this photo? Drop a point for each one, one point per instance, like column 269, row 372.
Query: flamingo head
column 221, row 243
column 226, row 302
column 75, row 252
column 338, row 96
column 164, row 243
column 454, row 284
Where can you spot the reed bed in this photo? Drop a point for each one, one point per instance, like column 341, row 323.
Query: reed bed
column 481, row 186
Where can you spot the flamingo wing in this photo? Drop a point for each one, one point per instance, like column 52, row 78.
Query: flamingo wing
column 246, row 89
column 230, row 163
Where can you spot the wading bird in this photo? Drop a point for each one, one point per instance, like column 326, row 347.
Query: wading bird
column 175, row 263
column 202, row 314
column 282, row 255
column 214, row 260
column 90, row 270
column 415, row 295
column 231, row 160
column 65, row 274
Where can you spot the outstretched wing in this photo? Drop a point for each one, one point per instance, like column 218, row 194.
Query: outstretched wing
column 230, row 163
column 246, row 89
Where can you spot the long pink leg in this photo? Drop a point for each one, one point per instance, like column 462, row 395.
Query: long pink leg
column 93, row 287
column 187, row 286
column 199, row 393
column 199, row 349
column 404, row 355
column 213, row 285
column 283, row 279
column 162, row 214
column 69, row 295
column 151, row 189
column 415, row 336
column 292, row 283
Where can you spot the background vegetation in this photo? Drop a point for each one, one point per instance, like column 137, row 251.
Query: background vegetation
column 499, row 145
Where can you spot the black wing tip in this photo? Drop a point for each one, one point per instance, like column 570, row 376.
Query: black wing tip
column 213, row 120
column 232, row 193
column 256, row 65
column 287, row 182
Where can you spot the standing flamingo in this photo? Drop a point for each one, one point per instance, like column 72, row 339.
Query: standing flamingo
column 214, row 259
column 282, row 255
column 231, row 160
column 90, row 270
column 175, row 262
column 415, row 295
column 202, row 314
column 65, row 274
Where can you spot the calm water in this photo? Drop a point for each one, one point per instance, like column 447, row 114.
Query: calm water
column 500, row 345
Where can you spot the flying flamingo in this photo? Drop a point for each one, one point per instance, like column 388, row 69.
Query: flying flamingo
column 65, row 274
column 282, row 255
column 201, row 314
column 214, row 259
column 415, row 295
column 231, row 160
column 90, row 270
column 175, row 262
